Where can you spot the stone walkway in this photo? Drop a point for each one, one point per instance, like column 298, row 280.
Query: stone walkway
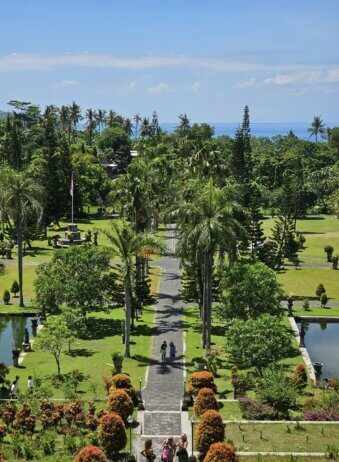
column 165, row 383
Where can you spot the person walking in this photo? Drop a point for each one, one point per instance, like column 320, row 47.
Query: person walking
column 168, row 450
column 13, row 389
column 163, row 350
column 30, row 384
column 148, row 452
column 182, row 448
column 172, row 352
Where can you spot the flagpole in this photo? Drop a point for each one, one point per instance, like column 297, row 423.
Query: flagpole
column 71, row 191
column 72, row 207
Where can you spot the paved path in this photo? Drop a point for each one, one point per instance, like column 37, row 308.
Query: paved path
column 165, row 383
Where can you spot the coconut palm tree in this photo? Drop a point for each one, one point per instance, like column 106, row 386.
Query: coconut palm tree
column 20, row 196
column 317, row 127
column 100, row 117
column 128, row 126
column 209, row 224
column 75, row 114
column 125, row 244
column 184, row 125
column 137, row 119
column 91, row 124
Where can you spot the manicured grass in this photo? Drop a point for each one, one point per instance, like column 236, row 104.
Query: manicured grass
column 282, row 437
column 317, row 311
column 11, row 274
column 92, row 354
column 192, row 328
column 230, row 410
column 302, row 282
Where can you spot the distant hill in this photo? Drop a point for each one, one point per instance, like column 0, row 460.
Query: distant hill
column 3, row 115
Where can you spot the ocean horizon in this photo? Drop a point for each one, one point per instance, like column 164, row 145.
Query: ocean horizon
column 266, row 129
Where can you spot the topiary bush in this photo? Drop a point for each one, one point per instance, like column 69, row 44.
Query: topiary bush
column 6, row 297
column 112, row 434
column 320, row 290
column 221, row 452
column 210, row 430
column 329, row 252
column 120, row 403
column 90, row 454
column 323, row 299
column 205, row 401
column 15, row 288
column 122, row 381
column 203, row 379
column 299, row 377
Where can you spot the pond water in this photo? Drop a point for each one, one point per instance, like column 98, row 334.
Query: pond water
column 322, row 343
column 12, row 333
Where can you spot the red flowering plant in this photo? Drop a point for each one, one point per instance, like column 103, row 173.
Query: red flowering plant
column 25, row 420
column 120, row 403
column 112, row 433
column 3, row 431
column 72, row 410
column 9, row 413
column 90, row 454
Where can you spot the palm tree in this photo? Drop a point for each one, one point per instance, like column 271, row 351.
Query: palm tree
column 184, row 124
column 20, row 196
column 91, row 124
column 145, row 128
column 110, row 119
column 100, row 117
column 208, row 224
column 75, row 114
column 137, row 120
column 317, row 127
column 126, row 244
column 128, row 127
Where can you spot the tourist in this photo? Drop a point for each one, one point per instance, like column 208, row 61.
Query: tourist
column 30, row 384
column 163, row 350
column 148, row 452
column 13, row 389
column 182, row 448
column 172, row 351
column 168, row 450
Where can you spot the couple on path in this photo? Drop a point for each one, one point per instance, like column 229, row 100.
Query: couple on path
column 170, row 449
column 163, row 351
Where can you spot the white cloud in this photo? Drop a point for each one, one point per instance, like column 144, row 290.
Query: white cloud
column 307, row 77
column 160, row 88
column 196, row 86
column 132, row 85
column 245, row 84
column 68, row 83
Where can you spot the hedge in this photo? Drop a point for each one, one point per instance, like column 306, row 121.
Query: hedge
column 205, row 401
column 221, row 452
column 210, row 430
column 90, row 454
column 120, row 403
column 203, row 379
column 112, row 434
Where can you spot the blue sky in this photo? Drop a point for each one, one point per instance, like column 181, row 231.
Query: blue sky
column 207, row 58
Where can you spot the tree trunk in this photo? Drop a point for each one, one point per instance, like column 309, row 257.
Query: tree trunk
column 21, row 296
column 127, row 316
column 57, row 360
column 208, row 269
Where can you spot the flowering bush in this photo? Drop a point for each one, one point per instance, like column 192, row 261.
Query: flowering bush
column 108, row 381
column 253, row 409
column 202, row 379
column 122, row 381
column 221, row 452
column 112, row 433
column 318, row 415
column 3, row 431
column 25, row 421
column 72, row 410
column 210, row 430
column 120, row 403
column 205, row 400
column 90, row 454
column 333, row 383
column 8, row 414
column 299, row 377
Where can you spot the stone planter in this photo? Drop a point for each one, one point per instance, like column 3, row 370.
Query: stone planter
column 117, row 362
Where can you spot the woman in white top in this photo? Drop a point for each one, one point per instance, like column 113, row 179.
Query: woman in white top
column 30, row 384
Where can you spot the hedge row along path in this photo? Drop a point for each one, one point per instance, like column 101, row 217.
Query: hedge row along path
column 165, row 384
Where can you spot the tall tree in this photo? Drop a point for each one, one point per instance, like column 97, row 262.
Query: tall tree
column 137, row 119
column 100, row 117
column 91, row 125
column 317, row 128
column 184, row 125
column 210, row 221
column 20, row 195
column 126, row 244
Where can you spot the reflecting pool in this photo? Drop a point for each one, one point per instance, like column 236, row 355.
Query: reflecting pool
column 322, row 343
column 12, row 330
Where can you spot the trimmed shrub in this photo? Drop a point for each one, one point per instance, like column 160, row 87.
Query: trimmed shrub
column 6, row 297
column 112, row 434
column 123, row 382
column 25, row 421
column 15, row 288
column 299, row 377
column 221, row 452
column 203, row 379
column 210, row 430
column 120, row 403
column 252, row 409
column 320, row 290
column 90, row 454
column 323, row 299
column 205, row 401
column 329, row 252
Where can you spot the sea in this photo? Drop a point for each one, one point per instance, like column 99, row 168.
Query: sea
column 267, row 129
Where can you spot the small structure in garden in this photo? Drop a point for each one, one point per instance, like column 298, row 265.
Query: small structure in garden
column 72, row 237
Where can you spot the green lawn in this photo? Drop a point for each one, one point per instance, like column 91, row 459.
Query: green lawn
column 11, row 274
column 91, row 355
column 318, row 231
column 282, row 437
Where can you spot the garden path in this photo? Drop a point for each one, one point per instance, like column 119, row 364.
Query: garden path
column 165, row 383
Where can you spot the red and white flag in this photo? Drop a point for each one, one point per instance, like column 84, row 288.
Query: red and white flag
column 71, row 188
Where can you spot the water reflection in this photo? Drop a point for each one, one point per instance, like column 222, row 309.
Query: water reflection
column 322, row 343
column 12, row 330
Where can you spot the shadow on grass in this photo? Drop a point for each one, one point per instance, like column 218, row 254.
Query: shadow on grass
column 80, row 352
column 99, row 328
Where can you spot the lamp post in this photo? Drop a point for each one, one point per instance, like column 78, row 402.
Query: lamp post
column 130, row 421
column 140, row 382
column 193, row 420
